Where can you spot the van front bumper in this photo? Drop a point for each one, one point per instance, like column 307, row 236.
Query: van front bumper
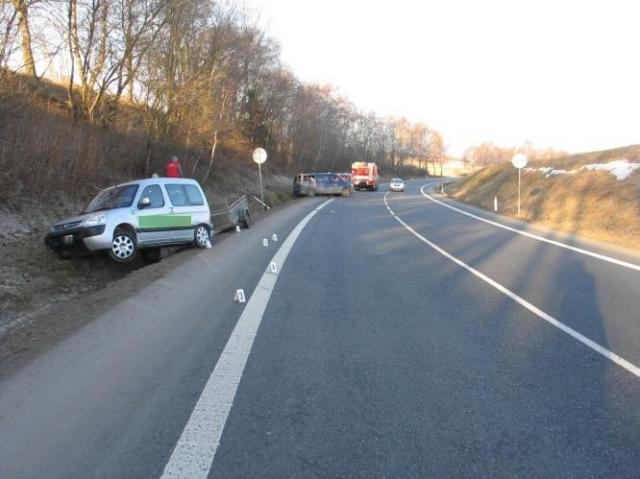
column 75, row 239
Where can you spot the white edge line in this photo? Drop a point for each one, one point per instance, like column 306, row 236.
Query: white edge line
column 593, row 254
column 193, row 454
column 620, row 361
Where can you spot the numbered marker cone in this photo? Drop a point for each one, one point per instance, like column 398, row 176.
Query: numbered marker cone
column 265, row 242
column 274, row 237
column 274, row 267
column 237, row 228
column 239, row 297
column 208, row 244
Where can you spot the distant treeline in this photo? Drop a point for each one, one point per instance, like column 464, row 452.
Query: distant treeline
column 489, row 154
column 202, row 75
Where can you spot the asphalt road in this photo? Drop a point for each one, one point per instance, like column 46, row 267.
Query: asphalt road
column 367, row 353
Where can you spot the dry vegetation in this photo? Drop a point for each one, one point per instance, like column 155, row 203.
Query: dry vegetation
column 138, row 81
column 589, row 203
column 52, row 165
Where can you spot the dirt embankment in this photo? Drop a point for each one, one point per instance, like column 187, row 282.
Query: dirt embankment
column 596, row 195
column 52, row 164
column 33, row 278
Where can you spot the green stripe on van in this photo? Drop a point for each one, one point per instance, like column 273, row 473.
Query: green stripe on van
column 164, row 221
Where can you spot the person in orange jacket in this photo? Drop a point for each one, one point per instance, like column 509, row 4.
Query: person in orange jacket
column 174, row 170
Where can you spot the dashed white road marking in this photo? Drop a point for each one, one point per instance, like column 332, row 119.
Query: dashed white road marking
column 194, row 452
column 593, row 254
column 620, row 361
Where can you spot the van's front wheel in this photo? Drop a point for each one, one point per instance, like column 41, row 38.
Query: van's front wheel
column 123, row 247
column 201, row 236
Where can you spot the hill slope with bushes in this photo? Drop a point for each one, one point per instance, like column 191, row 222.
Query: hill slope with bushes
column 595, row 194
column 52, row 165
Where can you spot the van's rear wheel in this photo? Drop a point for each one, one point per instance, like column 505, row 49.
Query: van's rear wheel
column 123, row 246
column 201, row 236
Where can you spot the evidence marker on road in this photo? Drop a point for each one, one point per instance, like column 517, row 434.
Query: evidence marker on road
column 239, row 296
column 274, row 237
column 265, row 242
column 273, row 267
column 237, row 228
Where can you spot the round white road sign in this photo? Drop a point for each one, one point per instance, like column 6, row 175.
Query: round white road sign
column 259, row 155
column 519, row 160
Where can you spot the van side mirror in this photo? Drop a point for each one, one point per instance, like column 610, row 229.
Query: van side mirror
column 145, row 203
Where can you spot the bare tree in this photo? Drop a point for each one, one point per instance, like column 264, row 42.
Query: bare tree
column 438, row 153
column 22, row 10
column 208, row 82
column 8, row 17
column 102, row 37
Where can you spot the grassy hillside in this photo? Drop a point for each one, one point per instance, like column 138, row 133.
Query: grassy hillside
column 572, row 198
column 51, row 158
column 52, row 165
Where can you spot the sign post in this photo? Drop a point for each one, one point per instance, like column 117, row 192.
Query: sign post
column 260, row 156
column 519, row 161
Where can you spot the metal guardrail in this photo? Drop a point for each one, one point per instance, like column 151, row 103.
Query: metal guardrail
column 264, row 205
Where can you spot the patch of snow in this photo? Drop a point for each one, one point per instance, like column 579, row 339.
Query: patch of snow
column 548, row 171
column 559, row 172
column 621, row 169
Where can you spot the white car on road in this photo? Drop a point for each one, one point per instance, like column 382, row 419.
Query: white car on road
column 396, row 184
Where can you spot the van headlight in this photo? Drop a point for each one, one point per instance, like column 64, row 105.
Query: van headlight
column 97, row 219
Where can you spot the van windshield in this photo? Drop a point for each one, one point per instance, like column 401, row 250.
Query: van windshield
column 111, row 198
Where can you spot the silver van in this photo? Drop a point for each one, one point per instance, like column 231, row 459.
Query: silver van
column 141, row 215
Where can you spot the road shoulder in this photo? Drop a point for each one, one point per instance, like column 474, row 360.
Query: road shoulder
column 43, row 329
